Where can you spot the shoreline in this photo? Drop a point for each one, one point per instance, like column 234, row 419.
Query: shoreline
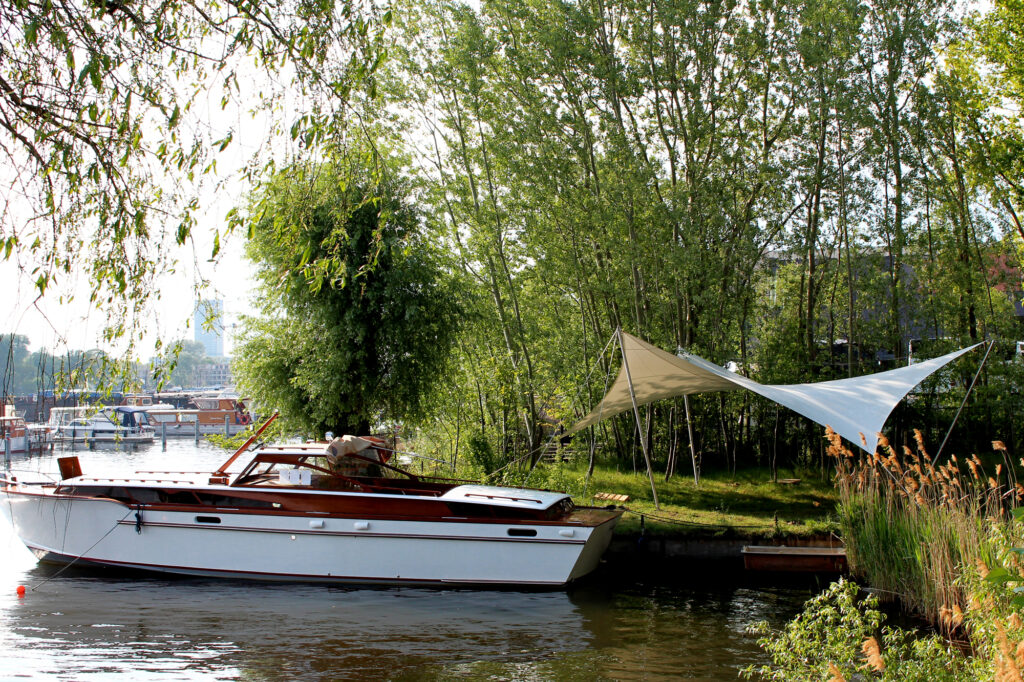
column 669, row 547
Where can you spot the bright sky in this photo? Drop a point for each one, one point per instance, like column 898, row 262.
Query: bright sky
column 55, row 325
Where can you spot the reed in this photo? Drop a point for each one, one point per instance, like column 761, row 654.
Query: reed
column 911, row 529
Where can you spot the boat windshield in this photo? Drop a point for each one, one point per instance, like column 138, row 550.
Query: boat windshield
column 319, row 470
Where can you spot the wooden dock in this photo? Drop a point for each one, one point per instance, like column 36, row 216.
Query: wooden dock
column 785, row 559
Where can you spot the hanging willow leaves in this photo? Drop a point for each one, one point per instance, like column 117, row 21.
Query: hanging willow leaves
column 105, row 121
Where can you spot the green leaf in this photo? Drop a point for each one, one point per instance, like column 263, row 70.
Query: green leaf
column 1000, row 575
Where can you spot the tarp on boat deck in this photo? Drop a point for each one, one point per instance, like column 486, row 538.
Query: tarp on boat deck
column 855, row 406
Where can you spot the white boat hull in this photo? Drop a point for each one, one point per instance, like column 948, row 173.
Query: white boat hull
column 14, row 444
column 224, row 542
column 71, row 434
column 188, row 429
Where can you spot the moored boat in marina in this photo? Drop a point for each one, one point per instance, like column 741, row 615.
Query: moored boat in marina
column 338, row 511
column 122, row 424
column 18, row 436
column 220, row 414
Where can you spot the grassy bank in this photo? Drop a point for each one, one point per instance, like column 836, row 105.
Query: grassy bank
column 747, row 503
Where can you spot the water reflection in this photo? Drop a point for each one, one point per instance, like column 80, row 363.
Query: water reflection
column 83, row 624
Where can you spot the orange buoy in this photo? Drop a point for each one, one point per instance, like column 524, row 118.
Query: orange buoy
column 21, row 590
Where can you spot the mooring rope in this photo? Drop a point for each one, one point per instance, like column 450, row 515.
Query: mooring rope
column 71, row 563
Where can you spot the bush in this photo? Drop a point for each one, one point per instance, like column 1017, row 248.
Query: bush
column 840, row 636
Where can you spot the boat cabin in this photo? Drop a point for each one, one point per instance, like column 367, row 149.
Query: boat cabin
column 12, row 427
column 311, row 478
column 128, row 417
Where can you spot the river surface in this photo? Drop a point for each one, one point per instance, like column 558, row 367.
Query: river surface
column 622, row 623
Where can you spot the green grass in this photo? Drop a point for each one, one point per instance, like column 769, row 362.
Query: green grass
column 747, row 504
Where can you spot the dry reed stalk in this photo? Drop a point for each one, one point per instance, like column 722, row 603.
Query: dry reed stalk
column 873, row 654
column 837, row 675
column 1007, row 668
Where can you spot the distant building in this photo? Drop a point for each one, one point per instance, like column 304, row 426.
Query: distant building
column 209, row 326
column 215, row 373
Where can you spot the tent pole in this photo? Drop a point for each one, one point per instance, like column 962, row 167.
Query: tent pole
column 689, row 431
column 963, row 402
column 636, row 414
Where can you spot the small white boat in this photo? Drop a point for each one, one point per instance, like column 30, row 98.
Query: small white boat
column 13, row 434
column 121, row 424
column 317, row 512
column 18, row 436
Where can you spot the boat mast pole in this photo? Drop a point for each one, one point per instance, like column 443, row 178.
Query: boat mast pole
column 224, row 467
column 636, row 414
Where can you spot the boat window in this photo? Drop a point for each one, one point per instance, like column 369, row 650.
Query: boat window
column 471, row 510
column 257, row 472
column 522, row 532
column 119, row 493
column 178, row 497
column 215, row 500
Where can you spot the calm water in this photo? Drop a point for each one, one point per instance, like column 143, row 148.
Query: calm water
column 622, row 623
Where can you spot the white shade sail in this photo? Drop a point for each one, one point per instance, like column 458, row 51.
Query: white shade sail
column 855, row 406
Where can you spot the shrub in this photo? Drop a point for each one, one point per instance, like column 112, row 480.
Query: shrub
column 840, row 636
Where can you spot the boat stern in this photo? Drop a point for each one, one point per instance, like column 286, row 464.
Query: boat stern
column 603, row 522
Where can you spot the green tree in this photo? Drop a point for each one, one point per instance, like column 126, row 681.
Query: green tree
column 358, row 318
column 15, row 356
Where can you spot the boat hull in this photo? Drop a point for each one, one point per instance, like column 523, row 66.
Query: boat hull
column 188, row 429
column 14, row 444
column 224, row 542
column 93, row 434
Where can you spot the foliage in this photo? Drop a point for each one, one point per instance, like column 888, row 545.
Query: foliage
column 358, row 318
column 109, row 132
column 802, row 188
column 274, row 433
column 796, row 187
column 482, row 454
column 911, row 527
column 181, row 363
column 841, row 636
column 26, row 372
column 943, row 541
